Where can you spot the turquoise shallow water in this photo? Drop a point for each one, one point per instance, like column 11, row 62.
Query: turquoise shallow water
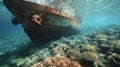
column 95, row 14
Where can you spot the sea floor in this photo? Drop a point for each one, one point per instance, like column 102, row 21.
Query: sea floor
column 91, row 47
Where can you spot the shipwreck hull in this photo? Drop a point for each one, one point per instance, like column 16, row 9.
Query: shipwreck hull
column 50, row 23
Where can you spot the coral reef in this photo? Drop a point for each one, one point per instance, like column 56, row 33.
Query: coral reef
column 63, row 50
column 19, row 61
column 88, row 48
column 56, row 62
column 60, row 50
column 27, row 61
column 115, row 58
column 115, row 44
column 73, row 55
column 98, row 49
column 88, row 56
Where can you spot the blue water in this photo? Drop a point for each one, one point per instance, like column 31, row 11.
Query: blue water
column 94, row 13
column 11, row 37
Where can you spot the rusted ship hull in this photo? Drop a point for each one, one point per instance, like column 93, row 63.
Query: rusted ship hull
column 40, row 22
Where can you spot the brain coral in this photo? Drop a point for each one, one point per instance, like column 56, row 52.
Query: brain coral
column 56, row 62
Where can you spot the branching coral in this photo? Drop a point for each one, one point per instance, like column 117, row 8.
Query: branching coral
column 89, row 56
column 88, row 48
column 56, row 62
column 73, row 55
column 115, row 58
column 101, row 37
column 60, row 50
column 87, row 59
column 28, row 61
column 19, row 62
column 115, row 44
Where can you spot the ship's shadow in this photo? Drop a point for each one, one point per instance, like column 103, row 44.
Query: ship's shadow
column 48, row 35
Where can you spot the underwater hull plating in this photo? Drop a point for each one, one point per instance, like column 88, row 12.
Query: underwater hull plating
column 41, row 22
